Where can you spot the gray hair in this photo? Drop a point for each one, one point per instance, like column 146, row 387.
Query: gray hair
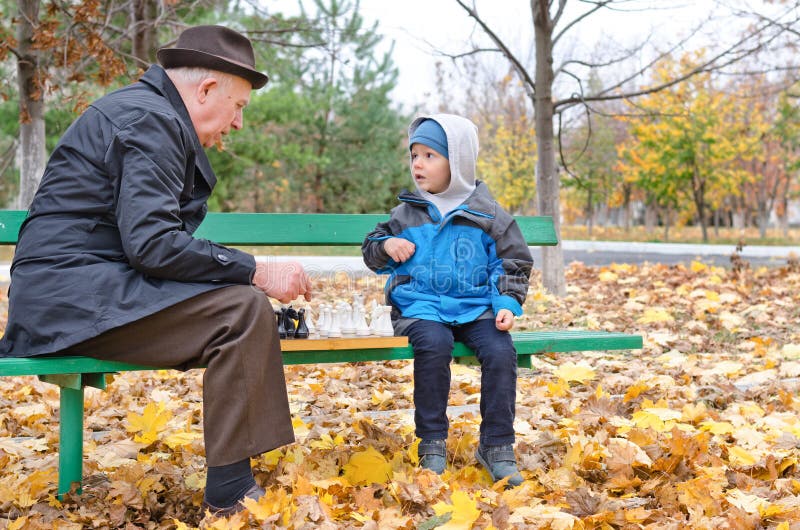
column 194, row 75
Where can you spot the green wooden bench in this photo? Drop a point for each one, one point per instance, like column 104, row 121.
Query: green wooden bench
column 72, row 374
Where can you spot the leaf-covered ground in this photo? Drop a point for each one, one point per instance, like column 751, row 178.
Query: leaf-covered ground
column 698, row 430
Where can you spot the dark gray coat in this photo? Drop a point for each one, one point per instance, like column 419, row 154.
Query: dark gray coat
column 108, row 238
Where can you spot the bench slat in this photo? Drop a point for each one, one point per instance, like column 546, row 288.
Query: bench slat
column 302, row 229
column 526, row 342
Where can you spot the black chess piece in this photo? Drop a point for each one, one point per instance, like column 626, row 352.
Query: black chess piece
column 302, row 328
column 281, row 328
column 290, row 314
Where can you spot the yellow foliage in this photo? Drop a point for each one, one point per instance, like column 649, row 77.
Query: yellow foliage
column 558, row 388
column 634, row 391
column 326, row 441
column 179, row 439
column 580, row 372
column 654, row 315
column 508, row 161
column 275, row 501
column 151, row 422
column 608, row 276
column 739, row 457
column 368, row 467
column 463, row 508
column 717, row 427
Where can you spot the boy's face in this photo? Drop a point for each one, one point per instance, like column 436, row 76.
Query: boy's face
column 431, row 171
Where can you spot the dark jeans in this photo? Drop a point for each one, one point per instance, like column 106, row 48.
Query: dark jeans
column 433, row 350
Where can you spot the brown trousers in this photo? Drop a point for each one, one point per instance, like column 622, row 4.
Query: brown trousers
column 231, row 331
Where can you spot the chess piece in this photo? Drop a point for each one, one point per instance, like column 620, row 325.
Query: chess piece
column 312, row 328
column 324, row 324
column 358, row 299
column 347, row 325
column 302, row 328
column 335, row 330
column 385, row 328
column 375, row 314
column 281, row 328
column 290, row 314
column 360, row 322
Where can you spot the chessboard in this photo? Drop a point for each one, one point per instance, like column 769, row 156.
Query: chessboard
column 343, row 343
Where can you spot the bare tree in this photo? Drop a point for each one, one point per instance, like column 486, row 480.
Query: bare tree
column 32, row 155
column 552, row 28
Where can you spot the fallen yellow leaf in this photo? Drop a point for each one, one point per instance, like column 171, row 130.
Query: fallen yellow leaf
column 580, row 372
column 463, row 508
column 151, row 422
column 367, row 467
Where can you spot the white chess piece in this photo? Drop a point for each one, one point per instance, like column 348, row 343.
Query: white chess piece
column 346, row 322
column 324, row 323
column 358, row 299
column 375, row 314
column 335, row 330
column 385, row 328
column 312, row 328
column 360, row 321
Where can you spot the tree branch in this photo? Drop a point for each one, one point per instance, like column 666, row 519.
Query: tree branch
column 734, row 52
column 577, row 20
column 518, row 67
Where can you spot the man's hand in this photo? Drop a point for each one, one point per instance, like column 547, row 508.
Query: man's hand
column 399, row 249
column 284, row 280
column 504, row 320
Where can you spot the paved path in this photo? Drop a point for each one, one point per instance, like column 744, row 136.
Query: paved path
column 588, row 252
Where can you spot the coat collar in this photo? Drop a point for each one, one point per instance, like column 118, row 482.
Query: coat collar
column 480, row 202
column 158, row 79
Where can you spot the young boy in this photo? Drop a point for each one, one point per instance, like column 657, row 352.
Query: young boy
column 458, row 271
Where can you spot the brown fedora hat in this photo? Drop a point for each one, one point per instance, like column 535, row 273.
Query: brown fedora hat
column 217, row 48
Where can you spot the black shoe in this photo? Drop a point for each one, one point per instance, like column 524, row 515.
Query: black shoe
column 255, row 493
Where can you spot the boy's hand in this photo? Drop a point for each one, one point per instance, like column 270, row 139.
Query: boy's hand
column 504, row 320
column 399, row 249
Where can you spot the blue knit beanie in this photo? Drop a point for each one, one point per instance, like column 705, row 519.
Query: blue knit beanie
column 430, row 133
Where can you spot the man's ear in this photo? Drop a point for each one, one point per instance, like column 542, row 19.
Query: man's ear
column 204, row 88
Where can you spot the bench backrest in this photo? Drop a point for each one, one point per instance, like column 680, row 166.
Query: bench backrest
column 300, row 229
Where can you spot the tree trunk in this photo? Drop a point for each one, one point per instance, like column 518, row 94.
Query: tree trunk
column 650, row 216
column 32, row 151
column 547, row 181
column 144, row 37
column 628, row 207
column 699, row 193
column 763, row 221
column 589, row 211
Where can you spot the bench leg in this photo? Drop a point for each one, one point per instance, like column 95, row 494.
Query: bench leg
column 70, row 452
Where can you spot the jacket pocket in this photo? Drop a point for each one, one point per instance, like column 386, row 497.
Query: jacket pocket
column 471, row 264
column 394, row 281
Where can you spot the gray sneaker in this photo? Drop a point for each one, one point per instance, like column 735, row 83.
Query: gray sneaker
column 432, row 455
column 500, row 462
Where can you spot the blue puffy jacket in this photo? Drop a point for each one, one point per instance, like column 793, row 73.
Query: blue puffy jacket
column 468, row 265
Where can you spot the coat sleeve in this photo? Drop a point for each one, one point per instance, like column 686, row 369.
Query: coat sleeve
column 375, row 257
column 511, row 273
column 150, row 158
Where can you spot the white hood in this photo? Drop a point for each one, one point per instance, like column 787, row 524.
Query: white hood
column 462, row 147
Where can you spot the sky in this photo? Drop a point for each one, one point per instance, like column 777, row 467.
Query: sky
column 420, row 27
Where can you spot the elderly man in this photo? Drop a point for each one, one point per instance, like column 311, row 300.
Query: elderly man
column 107, row 266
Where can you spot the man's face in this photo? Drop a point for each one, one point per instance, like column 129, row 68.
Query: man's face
column 430, row 169
column 219, row 108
